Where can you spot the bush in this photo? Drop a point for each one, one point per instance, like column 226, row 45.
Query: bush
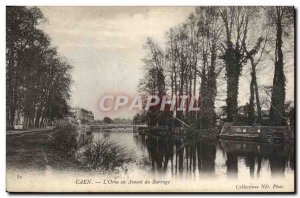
column 65, row 139
column 106, row 155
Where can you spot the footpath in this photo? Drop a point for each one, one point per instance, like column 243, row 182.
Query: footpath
column 35, row 130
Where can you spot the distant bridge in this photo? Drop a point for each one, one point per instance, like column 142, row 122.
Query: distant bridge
column 118, row 126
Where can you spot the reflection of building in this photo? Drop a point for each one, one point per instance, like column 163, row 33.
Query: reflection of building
column 82, row 115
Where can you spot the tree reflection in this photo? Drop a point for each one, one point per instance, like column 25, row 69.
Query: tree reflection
column 278, row 156
column 181, row 156
column 232, row 164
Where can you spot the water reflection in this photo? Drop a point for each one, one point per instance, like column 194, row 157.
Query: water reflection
column 178, row 155
column 182, row 155
column 190, row 157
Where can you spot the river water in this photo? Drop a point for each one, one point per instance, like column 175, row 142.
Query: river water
column 194, row 158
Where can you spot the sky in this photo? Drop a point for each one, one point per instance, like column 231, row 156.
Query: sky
column 105, row 47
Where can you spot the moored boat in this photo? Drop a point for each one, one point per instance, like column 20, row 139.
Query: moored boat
column 255, row 133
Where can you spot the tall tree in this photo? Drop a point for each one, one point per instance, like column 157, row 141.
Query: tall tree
column 154, row 78
column 236, row 25
column 254, row 93
column 37, row 78
column 21, row 28
column 153, row 82
column 209, row 30
column 281, row 19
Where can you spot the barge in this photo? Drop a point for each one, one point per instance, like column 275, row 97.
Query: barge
column 255, row 133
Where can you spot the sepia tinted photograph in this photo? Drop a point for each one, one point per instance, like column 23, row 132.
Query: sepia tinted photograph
column 150, row 99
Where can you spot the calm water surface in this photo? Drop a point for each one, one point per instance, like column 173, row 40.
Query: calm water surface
column 172, row 157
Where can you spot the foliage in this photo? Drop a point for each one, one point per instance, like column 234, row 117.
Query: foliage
column 210, row 39
column 65, row 139
column 153, row 82
column 107, row 120
column 105, row 156
column 281, row 19
column 139, row 118
column 38, row 79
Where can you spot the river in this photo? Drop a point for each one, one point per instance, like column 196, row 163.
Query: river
column 173, row 157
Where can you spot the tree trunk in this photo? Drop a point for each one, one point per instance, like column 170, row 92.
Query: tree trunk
column 233, row 64
column 211, row 89
column 253, row 77
column 251, row 101
column 10, row 88
column 277, row 111
column 232, row 95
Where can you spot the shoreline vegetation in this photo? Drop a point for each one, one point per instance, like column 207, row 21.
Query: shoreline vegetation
column 105, row 155
column 36, row 152
column 59, row 149
column 33, row 152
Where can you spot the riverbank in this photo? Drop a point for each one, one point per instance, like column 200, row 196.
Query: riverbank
column 26, row 131
column 155, row 157
column 32, row 151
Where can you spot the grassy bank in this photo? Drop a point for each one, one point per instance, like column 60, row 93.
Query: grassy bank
column 32, row 151
column 37, row 151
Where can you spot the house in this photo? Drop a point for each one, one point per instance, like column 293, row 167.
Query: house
column 82, row 115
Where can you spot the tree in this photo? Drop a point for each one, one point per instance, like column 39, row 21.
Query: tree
column 153, row 83
column 281, row 19
column 107, row 120
column 209, row 31
column 154, row 78
column 235, row 20
column 21, row 30
column 260, row 46
column 38, row 80
column 210, row 39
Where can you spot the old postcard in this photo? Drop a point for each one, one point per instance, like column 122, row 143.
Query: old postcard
column 150, row 99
